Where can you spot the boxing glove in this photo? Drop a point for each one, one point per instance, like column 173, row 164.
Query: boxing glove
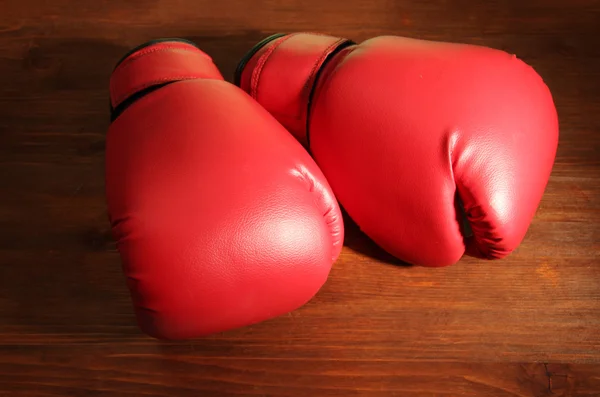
column 414, row 136
column 221, row 218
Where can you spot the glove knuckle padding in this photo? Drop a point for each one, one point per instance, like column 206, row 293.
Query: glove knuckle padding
column 480, row 124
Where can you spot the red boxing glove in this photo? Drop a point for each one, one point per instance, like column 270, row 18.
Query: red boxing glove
column 221, row 218
column 410, row 132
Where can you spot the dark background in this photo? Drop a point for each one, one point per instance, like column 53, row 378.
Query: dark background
column 528, row 325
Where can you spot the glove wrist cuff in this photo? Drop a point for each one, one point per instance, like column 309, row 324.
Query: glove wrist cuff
column 280, row 73
column 157, row 63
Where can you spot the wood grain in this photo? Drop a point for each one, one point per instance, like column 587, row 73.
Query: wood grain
column 528, row 325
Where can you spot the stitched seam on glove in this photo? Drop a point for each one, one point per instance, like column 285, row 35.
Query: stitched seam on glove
column 260, row 64
column 134, row 58
column 320, row 61
column 154, row 82
column 306, row 88
column 159, row 48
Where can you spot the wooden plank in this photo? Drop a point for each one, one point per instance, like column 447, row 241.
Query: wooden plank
column 523, row 326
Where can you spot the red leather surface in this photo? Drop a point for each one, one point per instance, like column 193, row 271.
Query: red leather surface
column 222, row 219
column 290, row 52
column 401, row 127
column 159, row 63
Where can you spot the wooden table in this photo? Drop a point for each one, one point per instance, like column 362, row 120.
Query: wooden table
column 528, row 325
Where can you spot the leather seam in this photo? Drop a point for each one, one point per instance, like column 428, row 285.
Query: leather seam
column 144, row 52
column 338, row 46
column 139, row 56
column 319, row 61
column 151, row 83
column 257, row 72
column 316, row 67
